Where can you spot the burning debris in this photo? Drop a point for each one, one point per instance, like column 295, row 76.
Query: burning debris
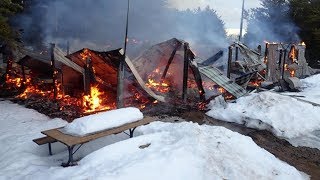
column 87, row 79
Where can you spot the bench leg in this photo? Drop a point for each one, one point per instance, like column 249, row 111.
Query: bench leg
column 70, row 160
column 50, row 150
column 131, row 132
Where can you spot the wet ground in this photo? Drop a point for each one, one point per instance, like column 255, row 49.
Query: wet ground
column 304, row 159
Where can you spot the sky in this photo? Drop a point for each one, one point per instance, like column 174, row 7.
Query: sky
column 229, row 10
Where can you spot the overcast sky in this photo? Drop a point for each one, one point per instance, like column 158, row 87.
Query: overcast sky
column 229, row 10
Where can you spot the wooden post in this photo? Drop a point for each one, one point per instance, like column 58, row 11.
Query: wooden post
column 23, row 76
column 259, row 49
column 284, row 63
column 54, row 74
column 198, row 79
column 229, row 62
column 185, row 72
column 87, row 76
column 280, row 57
column 62, row 84
column 9, row 58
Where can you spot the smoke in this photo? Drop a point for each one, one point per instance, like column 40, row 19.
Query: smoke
column 272, row 23
column 100, row 25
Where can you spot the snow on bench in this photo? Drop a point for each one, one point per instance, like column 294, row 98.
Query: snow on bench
column 102, row 121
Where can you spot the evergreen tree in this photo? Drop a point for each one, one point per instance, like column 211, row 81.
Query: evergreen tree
column 8, row 8
column 306, row 14
column 270, row 22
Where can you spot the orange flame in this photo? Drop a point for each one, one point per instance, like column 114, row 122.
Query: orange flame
column 85, row 54
column 162, row 87
column 93, row 101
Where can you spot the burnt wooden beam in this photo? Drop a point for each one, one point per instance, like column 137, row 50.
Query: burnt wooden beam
column 284, row 63
column 266, row 52
column 87, row 76
column 280, row 57
column 198, row 79
column 55, row 72
column 164, row 74
column 185, row 72
column 24, row 80
column 229, row 62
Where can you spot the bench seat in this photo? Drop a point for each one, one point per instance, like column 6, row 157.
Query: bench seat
column 55, row 135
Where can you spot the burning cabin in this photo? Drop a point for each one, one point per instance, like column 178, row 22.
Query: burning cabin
column 284, row 61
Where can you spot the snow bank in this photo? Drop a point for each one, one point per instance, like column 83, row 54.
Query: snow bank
column 183, row 151
column 285, row 116
column 101, row 121
column 310, row 90
column 177, row 151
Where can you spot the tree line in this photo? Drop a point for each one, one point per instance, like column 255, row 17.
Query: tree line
column 287, row 21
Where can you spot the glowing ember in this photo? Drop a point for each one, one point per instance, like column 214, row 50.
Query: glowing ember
column 221, row 90
column 162, row 86
column 93, row 102
column 85, row 54
column 292, row 73
column 302, row 44
column 17, row 82
column 33, row 90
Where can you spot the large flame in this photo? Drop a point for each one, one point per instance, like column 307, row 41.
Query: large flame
column 93, row 101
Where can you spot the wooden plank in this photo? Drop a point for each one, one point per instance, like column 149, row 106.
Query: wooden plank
column 70, row 140
column 141, row 82
column 61, row 58
column 44, row 140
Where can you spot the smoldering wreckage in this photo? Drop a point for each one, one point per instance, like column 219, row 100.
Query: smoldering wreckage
column 71, row 85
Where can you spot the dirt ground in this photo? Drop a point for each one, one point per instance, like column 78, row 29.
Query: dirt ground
column 304, row 159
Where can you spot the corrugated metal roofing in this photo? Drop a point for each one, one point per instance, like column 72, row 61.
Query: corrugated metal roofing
column 217, row 76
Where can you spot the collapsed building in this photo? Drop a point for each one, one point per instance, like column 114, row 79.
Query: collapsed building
column 167, row 72
column 281, row 64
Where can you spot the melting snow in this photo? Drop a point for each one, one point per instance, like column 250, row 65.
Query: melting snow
column 285, row 116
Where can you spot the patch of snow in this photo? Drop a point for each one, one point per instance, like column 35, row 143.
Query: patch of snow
column 177, row 151
column 286, row 117
column 102, row 121
column 310, row 90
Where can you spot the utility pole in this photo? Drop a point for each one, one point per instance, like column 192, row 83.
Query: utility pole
column 241, row 29
column 121, row 72
column 241, row 23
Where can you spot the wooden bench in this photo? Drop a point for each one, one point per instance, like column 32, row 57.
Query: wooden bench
column 55, row 135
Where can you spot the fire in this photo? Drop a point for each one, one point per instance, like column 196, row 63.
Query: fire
column 302, row 44
column 221, row 90
column 93, row 101
column 85, row 54
column 17, row 82
column 162, row 86
column 292, row 73
column 33, row 90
